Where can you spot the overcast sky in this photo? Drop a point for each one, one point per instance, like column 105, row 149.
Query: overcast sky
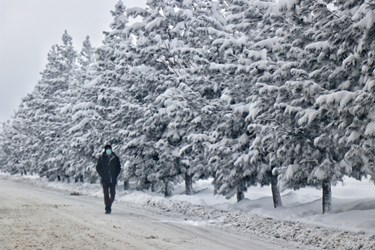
column 28, row 29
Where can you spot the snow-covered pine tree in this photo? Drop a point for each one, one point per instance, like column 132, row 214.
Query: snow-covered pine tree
column 326, row 162
column 346, row 102
column 26, row 147
column 37, row 128
column 153, row 46
column 270, row 110
column 181, row 107
column 163, row 38
column 12, row 143
column 249, row 57
column 121, row 82
column 81, row 115
column 3, row 155
column 86, row 61
column 293, row 152
column 314, row 94
column 203, row 24
column 49, row 97
column 106, row 92
column 63, row 97
column 352, row 93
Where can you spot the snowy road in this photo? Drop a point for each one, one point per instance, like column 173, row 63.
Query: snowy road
column 36, row 218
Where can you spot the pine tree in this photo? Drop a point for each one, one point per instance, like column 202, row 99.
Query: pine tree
column 247, row 59
column 82, row 114
column 311, row 98
column 48, row 99
column 352, row 92
column 296, row 157
column 86, row 60
column 162, row 43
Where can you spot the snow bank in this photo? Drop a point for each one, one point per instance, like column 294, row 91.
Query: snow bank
column 351, row 225
column 300, row 220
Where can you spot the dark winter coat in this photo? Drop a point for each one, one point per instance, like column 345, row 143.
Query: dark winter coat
column 108, row 167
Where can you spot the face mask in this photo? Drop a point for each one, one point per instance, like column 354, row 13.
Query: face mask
column 108, row 152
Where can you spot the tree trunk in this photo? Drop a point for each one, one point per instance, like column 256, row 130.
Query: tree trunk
column 153, row 186
column 275, row 192
column 240, row 191
column 327, row 196
column 216, row 188
column 126, row 185
column 188, row 184
column 167, row 189
column 240, row 195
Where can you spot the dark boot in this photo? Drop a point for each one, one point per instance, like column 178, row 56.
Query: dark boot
column 108, row 210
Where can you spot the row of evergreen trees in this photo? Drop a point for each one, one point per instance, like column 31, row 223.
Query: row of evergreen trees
column 248, row 92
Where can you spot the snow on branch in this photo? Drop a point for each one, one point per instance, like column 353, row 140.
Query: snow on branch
column 350, row 61
column 370, row 129
column 366, row 17
column 267, row 43
column 319, row 46
column 265, row 88
column 342, row 98
column 309, row 115
column 136, row 11
column 155, row 23
column 79, row 126
column 286, row 4
column 367, row 22
column 370, row 86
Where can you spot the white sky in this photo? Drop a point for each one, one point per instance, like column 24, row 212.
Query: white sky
column 28, row 29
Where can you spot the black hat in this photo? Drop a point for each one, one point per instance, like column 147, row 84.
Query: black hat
column 107, row 147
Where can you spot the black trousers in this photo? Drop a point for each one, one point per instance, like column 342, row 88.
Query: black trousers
column 109, row 191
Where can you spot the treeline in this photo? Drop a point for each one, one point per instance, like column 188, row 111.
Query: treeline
column 277, row 93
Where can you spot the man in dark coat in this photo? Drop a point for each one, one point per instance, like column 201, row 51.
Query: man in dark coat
column 108, row 167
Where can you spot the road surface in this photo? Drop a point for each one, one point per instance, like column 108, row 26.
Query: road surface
column 36, row 218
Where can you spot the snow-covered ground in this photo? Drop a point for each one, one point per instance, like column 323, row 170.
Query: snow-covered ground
column 351, row 225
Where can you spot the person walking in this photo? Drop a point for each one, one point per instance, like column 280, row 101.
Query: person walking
column 108, row 168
